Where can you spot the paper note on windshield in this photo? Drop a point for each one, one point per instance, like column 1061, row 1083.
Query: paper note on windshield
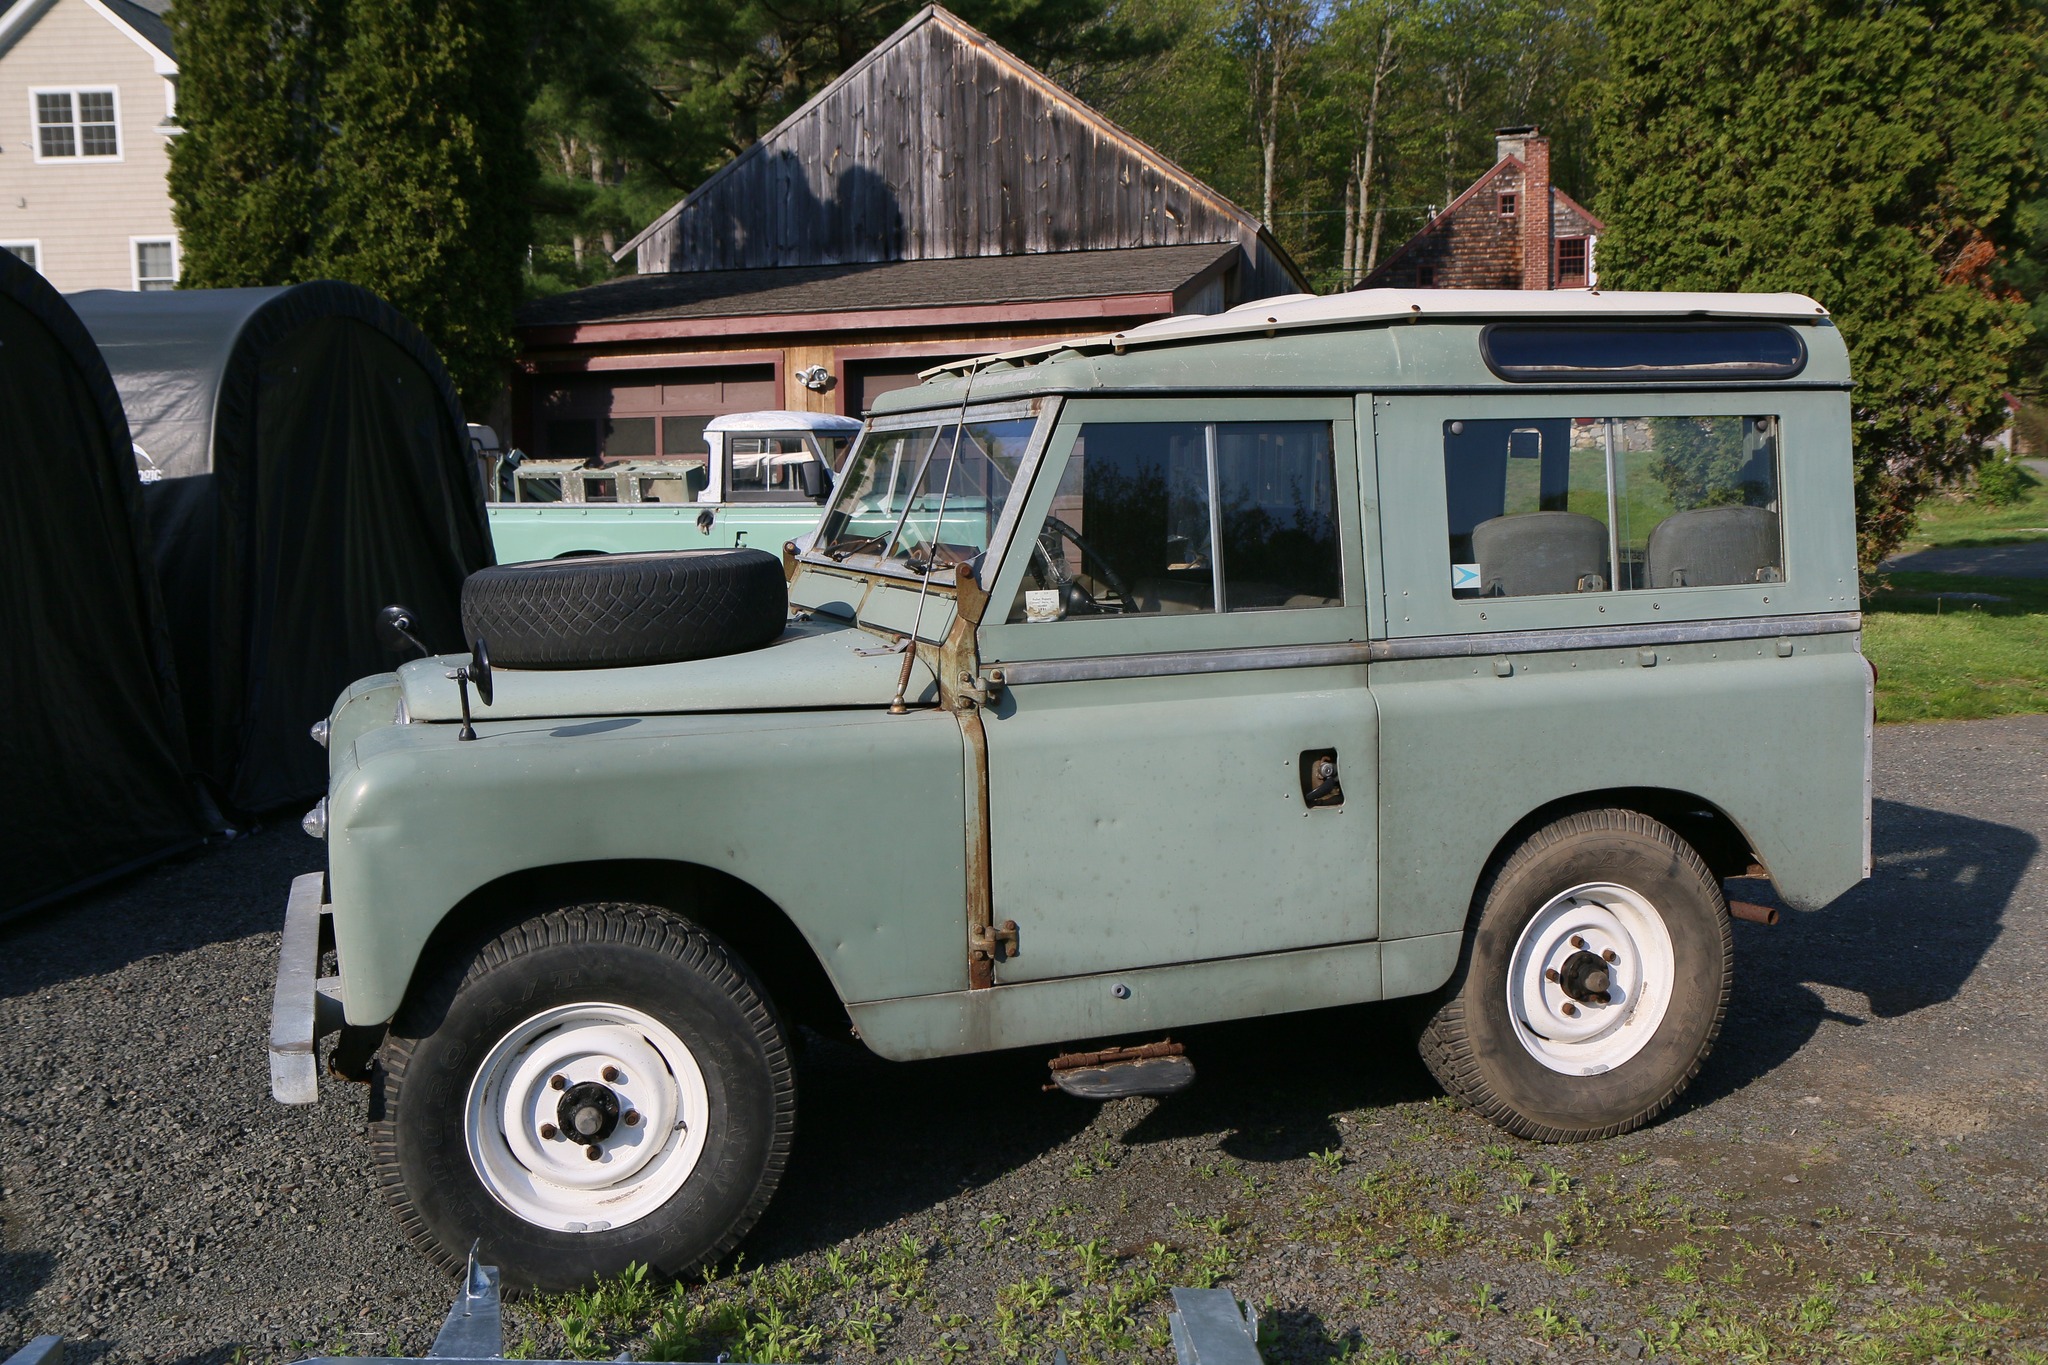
column 1042, row 604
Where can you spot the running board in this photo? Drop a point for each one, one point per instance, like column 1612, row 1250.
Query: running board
column 1160, row 1068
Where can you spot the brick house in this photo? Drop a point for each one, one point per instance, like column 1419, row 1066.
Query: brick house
column 1512, row 229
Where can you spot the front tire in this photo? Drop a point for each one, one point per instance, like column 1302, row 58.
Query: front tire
column 622, row 1031
column 1592, row 983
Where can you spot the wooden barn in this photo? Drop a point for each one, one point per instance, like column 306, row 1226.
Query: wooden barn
column 1512, row 229
column 940, row 199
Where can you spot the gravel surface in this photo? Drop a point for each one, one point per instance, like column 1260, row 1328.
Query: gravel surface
column 1857, row 1174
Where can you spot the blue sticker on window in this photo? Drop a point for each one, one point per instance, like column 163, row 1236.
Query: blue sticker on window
column 1464, row 576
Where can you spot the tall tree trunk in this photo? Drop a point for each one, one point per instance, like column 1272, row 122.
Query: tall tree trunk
column 1365, row 165
column 1379, row 221
column 1347, row 270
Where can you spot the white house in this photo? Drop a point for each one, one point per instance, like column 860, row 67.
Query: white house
column 88, row 107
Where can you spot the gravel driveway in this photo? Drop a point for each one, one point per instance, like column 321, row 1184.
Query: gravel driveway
column 1858, row 1172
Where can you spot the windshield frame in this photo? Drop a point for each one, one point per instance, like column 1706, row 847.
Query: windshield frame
column 1043, row 413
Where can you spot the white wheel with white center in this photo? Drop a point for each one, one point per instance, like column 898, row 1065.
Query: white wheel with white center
column 1590, row 979
column 587, row 1117
column 597, row 1087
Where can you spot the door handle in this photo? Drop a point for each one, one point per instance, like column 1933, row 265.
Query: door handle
column 1320, row 785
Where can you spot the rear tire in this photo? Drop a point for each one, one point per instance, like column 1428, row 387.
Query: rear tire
column 1523, row 1034
column 674, row 1068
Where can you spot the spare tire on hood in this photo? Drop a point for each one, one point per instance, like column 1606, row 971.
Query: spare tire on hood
column 609, row 611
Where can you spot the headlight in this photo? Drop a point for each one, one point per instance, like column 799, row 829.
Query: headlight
column 321, row 729
column 315, row 822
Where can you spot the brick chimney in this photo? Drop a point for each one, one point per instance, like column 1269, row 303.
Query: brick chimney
column 1534, row 208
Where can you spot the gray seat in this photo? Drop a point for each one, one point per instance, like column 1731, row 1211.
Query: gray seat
column 1534, row 553
column 1715, row 545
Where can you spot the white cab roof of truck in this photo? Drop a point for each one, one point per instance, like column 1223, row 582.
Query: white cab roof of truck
column 1293, row 312
column 782, row 420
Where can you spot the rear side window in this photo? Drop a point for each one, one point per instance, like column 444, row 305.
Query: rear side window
column 1551, row 506
column 1553, row 354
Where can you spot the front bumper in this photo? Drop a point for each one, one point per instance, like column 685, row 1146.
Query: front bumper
column 305, row 1006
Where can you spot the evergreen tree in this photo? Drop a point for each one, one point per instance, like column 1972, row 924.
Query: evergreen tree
column 245, row 171
column 1868, row 155
column 428, row 173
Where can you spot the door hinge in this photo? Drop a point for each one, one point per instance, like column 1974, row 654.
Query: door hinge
column 979, row 691
column 998, row 942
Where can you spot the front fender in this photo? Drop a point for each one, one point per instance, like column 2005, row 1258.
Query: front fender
column 850, row 821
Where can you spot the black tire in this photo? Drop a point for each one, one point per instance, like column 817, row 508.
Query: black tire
column 636, row 956
column 1471, row 1044
column 609, row 611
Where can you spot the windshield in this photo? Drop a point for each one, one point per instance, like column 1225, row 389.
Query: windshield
column 890, row 499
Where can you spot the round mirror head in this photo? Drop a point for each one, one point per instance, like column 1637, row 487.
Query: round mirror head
column 480, row 670
column 394, row 627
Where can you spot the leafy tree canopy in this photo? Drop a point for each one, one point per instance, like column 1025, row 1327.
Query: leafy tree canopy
column 1870, row 156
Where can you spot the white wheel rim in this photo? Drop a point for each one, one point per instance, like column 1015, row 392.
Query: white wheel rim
column 1584, row 1037
column 552, row 1181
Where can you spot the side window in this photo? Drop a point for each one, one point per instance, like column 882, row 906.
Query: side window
column 1545, row 506
column 1187, row 518
column 771, row 468
column 1696, row 501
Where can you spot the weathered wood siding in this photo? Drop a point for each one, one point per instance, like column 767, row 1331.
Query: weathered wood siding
column 940, row 144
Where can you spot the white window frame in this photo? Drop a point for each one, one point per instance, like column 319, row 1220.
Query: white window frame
column 135, row 244
column 35, row 125
column 34, row 244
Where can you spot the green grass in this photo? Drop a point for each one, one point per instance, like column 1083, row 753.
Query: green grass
column 1961, row 521
column 1942, row 657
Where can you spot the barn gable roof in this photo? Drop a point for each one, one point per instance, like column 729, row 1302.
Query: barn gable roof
column 938, row 144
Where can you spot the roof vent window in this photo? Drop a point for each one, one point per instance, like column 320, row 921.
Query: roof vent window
column 1594, row 354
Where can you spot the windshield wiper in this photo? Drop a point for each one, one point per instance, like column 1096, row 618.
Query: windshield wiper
column 838, row 553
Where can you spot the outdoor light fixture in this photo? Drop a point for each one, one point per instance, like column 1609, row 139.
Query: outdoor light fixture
column 817, row 378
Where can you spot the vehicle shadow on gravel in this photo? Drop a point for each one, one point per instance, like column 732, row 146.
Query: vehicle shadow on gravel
column 1907, row 939
column 880, row 1141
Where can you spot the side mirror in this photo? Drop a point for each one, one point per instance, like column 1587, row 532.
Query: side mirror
column 480, row 669
column 814, row 479
column 395, row 626
column 477, row 671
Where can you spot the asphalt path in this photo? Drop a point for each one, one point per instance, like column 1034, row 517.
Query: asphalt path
column 1880, row 1084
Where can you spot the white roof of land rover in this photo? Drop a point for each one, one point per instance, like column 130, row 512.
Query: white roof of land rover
column 1293, row 312
column 782, row 420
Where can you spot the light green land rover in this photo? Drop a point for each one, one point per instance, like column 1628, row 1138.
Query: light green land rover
column 1441, row 645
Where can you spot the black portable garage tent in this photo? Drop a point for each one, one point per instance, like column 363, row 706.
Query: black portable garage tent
column 94, row 775
column 310, row 464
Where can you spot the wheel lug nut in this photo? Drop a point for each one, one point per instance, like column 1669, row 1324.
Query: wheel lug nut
column 631, row 1118
column 1609, row 955
column 593, row 1152
column 1550, row 974
column 1571, row 1011
column 1578, row 942
column 611, row 1073
column 547, row 1130
column 559, row 1081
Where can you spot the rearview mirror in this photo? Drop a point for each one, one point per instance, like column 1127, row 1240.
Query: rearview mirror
column 480, row 669
column 395, row 628
column 813, row 475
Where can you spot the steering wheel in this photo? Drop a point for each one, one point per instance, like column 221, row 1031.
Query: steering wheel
column 1078, row 600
